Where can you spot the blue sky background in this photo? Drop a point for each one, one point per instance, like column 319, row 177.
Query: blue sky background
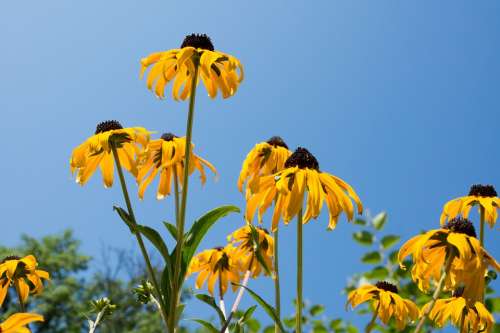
column 399, row 98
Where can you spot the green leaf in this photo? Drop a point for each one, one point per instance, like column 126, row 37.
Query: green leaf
column 165, row 284
column 211, row 301
column 267, row 308
column 155, row 238
column 319, row 328
column 125, row 217
column 253, row 325
column 257, row 251
column 352, row 329
column 378, row 273
column 379, row 220
column 269, row 329
column 316, row 310
column 199, row 229
column 211, row 328
column 389, row 241
column 393, row 257
column 248, row 314
column 493, row 304
column 289, row 322
column 363, row 237
column 360, row 221
column 335, row 324
column 372, row 258
column 172, row 229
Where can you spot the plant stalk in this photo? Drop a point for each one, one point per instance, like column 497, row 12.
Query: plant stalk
column 277, row 293
column 371, row 324
column 298, row 318
column 151, row 271
column 481, row 225
column 437, row 292
column 236, row 303
column 178, row 280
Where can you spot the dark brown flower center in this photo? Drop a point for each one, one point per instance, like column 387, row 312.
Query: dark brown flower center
column 277, row 141
column 302, row 158
column 462, row 226
column 168, row 136
column 12, row 257
column 458, row 292
column 384, row 285
column 108, row 125
column 198, row 41
column 479, row 190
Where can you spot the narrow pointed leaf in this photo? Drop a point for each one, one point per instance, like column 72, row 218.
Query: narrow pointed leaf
column 155, row 238
column 211, row 302
column 389, row 241
column 380, row 220
column 257, row 251
column 198, row 231
column 248, row 314
column 172, row 229
column 125, row 217
column 211, row 328
column 267, row 308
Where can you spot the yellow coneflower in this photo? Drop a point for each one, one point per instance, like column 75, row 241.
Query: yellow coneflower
column 217, row 70
column 96, row 151
column 246, row 250
column 166, row 156
column 18, row 321
column 288, row 188
column 431, row 249
column 21, row 273
column 466, row 315
column 386, row 303
column 219, row 263
column 266, row 158
column 471, row 277
column 484, row 196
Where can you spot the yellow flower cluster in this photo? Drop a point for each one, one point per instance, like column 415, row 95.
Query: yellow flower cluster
column 229, row 263
column 23, row 275
column 137, row 153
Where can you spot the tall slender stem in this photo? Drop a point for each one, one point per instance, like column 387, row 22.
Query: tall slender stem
column 21, row 302
column 298, row 318
column 437, row 292
column 462, row 322
column 370, row 325
column 178, row 280
column 277, row 293
column 481, row 225
column 238, row 299
column 151, row 271
column 222, row 305
column 176, row 195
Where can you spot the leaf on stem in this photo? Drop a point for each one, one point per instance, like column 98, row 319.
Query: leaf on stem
column 211, row 302
column 267, row 308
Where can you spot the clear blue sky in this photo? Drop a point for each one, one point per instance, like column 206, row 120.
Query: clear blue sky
column 399, row 98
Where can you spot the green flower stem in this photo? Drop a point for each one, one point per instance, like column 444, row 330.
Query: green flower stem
column 298, row 318
column 100, row 315
column 151, row 271
column 176, row 195
column 462, row 322
column 371, row 324
column 178, row 280
column 481, row 225
column 437, row 292
column 21, row 303
column 277, row 293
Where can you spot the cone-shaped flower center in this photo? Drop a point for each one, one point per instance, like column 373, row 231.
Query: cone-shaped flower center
column 198, row 41
column 462, row 226
column 108, row 125
column 384, row 285
column 277, row 141
column 168, row 136
column 458, row 292
column 10, row 258
column 302, row 158
column 479, row 190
